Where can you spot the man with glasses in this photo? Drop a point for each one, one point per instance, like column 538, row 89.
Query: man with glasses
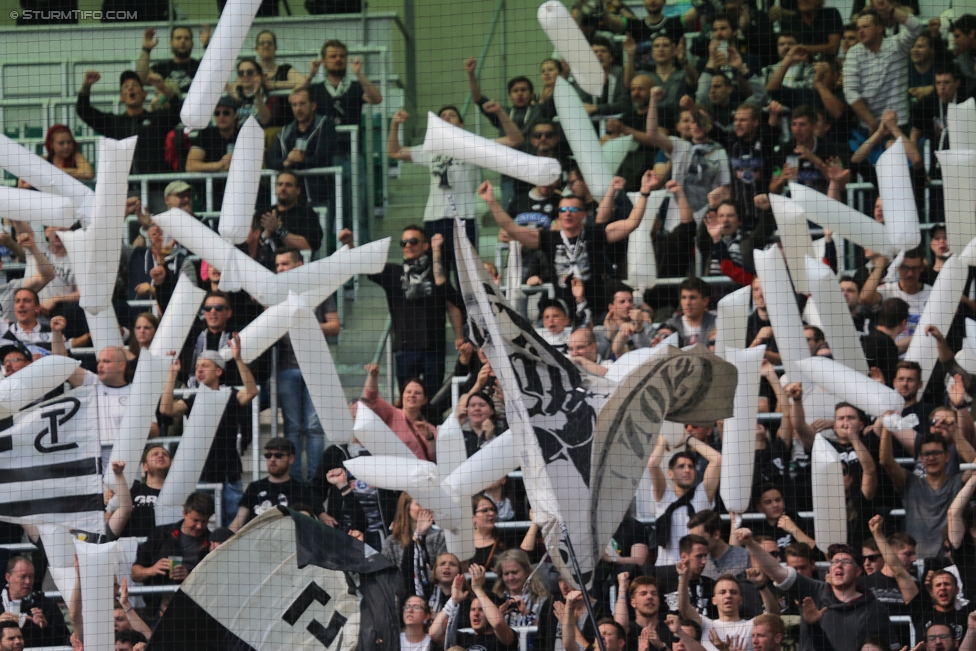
column 909, row 288
column 893, row 585
column 419, row 295
column 277, row 489
column 574, row 251
column 212, row 148
column 216, row 313
column 850, row 614
column 926, row 498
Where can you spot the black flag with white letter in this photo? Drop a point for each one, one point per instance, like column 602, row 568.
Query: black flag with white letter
column 285, row 581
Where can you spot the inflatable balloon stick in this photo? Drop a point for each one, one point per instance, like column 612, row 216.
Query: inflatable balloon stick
column 565, row 34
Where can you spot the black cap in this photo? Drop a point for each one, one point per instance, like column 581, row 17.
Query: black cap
column 130, row 74
column 15, row 347
column 227, row 101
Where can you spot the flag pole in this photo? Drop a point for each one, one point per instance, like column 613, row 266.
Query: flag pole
column 582, row 584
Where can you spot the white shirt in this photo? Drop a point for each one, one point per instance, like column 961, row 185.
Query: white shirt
column 742, row 628
column 112, row 402
column 406, row 645
column 679, row 521
column 64, row 278
column 916, row 304
column 461, row 176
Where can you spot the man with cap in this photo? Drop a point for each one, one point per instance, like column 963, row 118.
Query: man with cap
column 151, row 127
column 14, row 356
column 277, row 489
column 212, row 148
column 223, row 464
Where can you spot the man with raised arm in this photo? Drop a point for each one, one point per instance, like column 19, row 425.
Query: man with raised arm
column 677, row 502
column 575, row 250
column 850, row 613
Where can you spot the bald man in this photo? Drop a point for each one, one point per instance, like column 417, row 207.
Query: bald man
column 112, row 389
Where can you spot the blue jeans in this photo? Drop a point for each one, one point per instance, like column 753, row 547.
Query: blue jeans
column 446, row 228
column 230, row 500
column 425, row 364
column 300, row 418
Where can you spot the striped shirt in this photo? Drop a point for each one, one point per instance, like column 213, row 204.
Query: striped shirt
column 881, row 78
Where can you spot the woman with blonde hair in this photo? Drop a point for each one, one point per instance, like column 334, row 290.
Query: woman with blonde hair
column 412, row 545
column 523, row 593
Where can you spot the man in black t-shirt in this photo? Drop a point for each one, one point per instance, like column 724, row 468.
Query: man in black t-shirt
column 939, row 606
column 291, row 222
column 694, row 550
column 223, row 464
column 156, row 462
column 277, row 489
column 212, row 148
column 751, row 154
column 574, row 251
column 156, row 560
column 418, row 295
column 817, row 29
column 181, row 68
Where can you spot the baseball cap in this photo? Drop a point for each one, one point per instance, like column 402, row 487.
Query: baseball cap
column 214, row 357
column 177, row 187
column 130, row 74
column 227, row 101
column 15, row 347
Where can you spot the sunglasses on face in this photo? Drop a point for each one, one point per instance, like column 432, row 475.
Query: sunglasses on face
column 871, row 558
column 411, row 241
column 219, row 308
column 250, row 72
column 569, row 209
column 276, row 455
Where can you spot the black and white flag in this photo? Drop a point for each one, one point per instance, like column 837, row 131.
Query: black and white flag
column 49, row 464
column 583, row 440
column 285, row 581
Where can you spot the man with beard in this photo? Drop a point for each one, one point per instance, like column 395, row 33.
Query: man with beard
column 310, row 141
column 418, row 295
column 181, row 68
column 644, row 598
column 291, row 223
column 277, row 489
column 751, row 151
column 633, row 122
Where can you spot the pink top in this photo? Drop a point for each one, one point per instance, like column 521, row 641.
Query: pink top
column 403, row 427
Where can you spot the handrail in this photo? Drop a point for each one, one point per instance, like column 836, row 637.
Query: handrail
column 479, row 66
column 383, row 346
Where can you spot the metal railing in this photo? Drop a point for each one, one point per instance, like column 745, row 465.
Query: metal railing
column 145, row 179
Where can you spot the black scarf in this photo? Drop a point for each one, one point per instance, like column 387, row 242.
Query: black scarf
column 664, row 522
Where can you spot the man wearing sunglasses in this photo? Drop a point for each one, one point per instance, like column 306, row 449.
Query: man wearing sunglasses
column 419, row 295
column 277, row 489
column 575, row 250
column 216, row 314
column 212, row 148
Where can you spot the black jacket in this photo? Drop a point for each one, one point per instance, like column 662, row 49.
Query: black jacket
column 151, row 128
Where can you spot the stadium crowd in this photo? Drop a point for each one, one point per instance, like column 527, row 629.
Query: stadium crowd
column 726, row 104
